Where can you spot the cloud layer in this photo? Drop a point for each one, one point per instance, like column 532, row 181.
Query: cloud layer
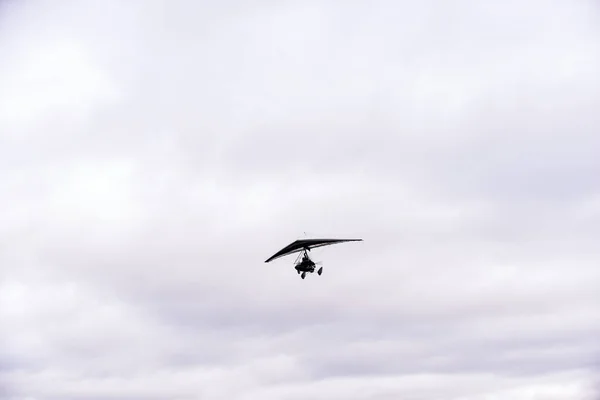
column 152, row 156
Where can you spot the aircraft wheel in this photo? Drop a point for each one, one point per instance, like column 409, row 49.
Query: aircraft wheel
column 320, row 271
column 303, row 275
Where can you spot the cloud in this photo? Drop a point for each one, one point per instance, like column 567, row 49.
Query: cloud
column 152, row 157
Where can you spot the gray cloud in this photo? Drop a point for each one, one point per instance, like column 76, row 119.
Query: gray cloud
column 152, row 157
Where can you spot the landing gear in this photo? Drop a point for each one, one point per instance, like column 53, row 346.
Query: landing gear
column 320, row 271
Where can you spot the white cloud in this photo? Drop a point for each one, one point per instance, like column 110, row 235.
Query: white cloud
column 54, row 80
column 152, row 157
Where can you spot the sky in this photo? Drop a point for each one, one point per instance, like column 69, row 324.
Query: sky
column 154, row 154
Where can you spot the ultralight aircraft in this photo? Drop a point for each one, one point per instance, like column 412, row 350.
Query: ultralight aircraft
column 303, row 263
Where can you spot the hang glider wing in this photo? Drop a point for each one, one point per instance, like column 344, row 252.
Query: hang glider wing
column 302, row 244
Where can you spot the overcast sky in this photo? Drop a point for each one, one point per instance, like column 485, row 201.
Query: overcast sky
column 154, row 154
